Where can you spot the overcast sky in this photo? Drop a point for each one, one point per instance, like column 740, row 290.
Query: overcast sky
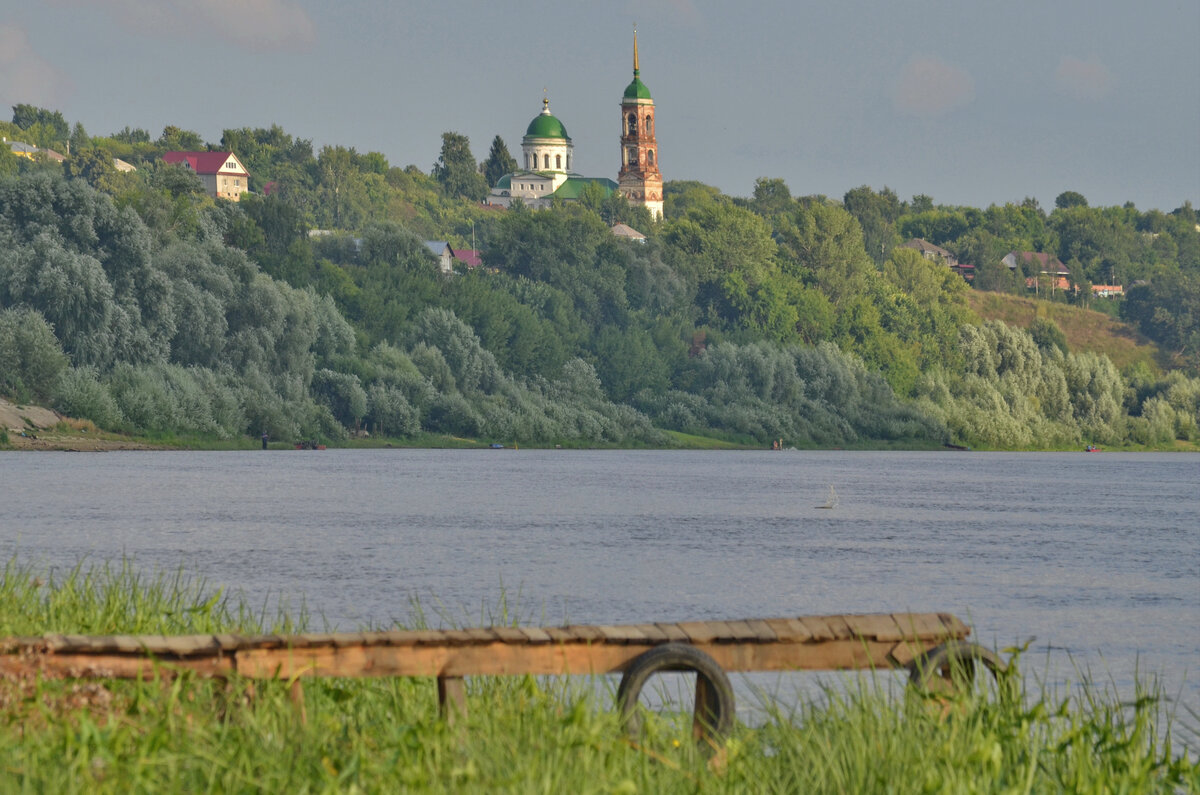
column 972, row 103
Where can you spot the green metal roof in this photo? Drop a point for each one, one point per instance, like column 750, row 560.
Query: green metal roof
column 573, row 187
column 546, row 125
column 504, row 182
column 637, row 89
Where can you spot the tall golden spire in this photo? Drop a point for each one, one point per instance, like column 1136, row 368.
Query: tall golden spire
column 635, row 55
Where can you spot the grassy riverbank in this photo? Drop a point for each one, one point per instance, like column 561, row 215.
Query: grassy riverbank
column 523, row 735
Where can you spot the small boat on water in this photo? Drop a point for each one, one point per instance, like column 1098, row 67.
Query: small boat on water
column 1091, row 448
column 832, row 502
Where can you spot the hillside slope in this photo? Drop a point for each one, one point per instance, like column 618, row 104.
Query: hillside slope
column 1085, row 329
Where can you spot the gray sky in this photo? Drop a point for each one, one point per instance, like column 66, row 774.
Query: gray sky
column 970, row 102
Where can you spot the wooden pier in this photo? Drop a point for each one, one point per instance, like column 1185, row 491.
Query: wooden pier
column 926, row 644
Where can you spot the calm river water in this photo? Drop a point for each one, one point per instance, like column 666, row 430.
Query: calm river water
column 1097, row 557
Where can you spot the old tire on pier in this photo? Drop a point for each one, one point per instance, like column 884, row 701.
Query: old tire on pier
column 714, row 710
column 952, row 665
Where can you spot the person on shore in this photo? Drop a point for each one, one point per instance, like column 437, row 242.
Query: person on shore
column 264, row 439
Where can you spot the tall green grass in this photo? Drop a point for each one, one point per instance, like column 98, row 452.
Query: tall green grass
column 522, row 734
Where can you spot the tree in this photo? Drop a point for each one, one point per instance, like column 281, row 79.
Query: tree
column 94, row 166
column 771, row 197
column 26, row 116
column 1068, row 199
column 499, row 162
column 79, row 139
column 456, row 169
column 876, row 214
column 131, row 136
column 176, row 139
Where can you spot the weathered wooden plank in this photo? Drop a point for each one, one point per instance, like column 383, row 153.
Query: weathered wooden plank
column 651, row 633
column 919, row 626
column 762, row 630
column 673, row 633
column 510, row 635
column 586, row 632
column 609, row 633
column 698, row 631
column 739, row 632
column 877, row 626
column 838, row 626
column 789, row 630
column 817, row 627
column 625, row 633
column 560, row 635
column 956, row 627
column 535, row 635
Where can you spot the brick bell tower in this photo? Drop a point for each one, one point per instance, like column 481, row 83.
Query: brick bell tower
column 639, row 179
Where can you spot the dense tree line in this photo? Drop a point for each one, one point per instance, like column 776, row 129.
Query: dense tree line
column 133, row 299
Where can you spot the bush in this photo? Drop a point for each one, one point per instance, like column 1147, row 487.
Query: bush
column 79, row 393
column 30, row 357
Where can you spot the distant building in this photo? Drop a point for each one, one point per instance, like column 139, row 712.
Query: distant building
column 548, row 158
column 445, row 255
column 1048, row 266
column 223, row 175
column 467, row 256
column 547, row 152
column 121, row 165
column 938, row 254
column 628, row 232
column 1108, row 290
column 32, row 152
column 640, row 180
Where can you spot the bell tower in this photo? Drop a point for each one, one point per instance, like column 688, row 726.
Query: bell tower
column 639, row 179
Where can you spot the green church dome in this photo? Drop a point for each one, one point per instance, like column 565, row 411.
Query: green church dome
column 637, row 89
column 546, row 125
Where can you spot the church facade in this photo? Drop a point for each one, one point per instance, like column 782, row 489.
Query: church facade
column 547, row 153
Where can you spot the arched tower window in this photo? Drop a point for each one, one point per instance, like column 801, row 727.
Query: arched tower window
column 632, row 124
column 649, row 125
column 568, row 162
column 631, row 156
column 558, row 162
column 650, row 156
column 545, row 161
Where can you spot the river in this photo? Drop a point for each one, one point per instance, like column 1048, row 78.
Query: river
column 1095, row 557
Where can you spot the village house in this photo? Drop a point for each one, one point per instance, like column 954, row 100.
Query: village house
column 938, row 254
column 223, row 175
column 1057, row 275
column 31, row 152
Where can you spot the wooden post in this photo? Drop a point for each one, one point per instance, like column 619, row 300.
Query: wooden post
column 296, row 694
column 452, row 698
column 702, row 717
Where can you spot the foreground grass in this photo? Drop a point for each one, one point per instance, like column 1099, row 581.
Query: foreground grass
column 523, row 735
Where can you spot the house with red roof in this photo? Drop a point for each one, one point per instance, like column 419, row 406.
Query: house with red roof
column 223, row 175
column 468, row 256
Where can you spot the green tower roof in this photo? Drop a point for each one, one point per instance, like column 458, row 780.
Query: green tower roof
column 546, row 125
column 637, row 89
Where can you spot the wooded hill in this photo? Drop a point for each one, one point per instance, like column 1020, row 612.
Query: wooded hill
column 135, row 300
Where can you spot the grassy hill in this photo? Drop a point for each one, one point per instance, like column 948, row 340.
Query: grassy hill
column 1085, row 329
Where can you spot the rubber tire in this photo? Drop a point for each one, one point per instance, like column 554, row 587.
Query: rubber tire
column 679, row 657
column 934, row 671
